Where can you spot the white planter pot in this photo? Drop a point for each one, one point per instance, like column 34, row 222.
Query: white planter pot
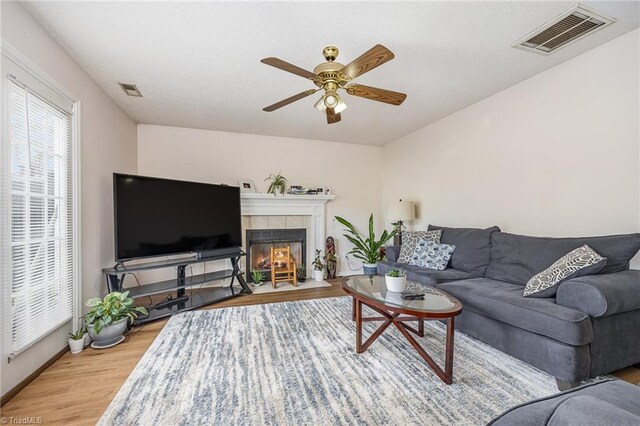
column 87, row 340
column 109, row 334
column 318, row 275
column 396, row 284
column 76, row 346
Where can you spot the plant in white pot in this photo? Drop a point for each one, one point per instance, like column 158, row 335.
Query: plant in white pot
column 395, row 280
column 107, row 319
column 366, row 248
column 76, row 340
column 318, row 267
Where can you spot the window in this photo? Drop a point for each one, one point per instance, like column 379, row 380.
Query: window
column 39, row 195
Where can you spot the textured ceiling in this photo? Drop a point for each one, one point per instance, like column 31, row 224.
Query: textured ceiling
column 198, row 64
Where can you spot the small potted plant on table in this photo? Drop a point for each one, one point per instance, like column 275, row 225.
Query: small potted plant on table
column 366, row 248
column 107, row 319
column 318, row 267
column 395, row 280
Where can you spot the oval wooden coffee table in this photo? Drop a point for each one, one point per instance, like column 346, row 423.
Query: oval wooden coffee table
column 371, row 291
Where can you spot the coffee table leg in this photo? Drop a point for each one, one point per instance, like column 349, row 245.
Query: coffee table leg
column 421, row 327
column 448, row 365
column 358, row 317
column 353, row 309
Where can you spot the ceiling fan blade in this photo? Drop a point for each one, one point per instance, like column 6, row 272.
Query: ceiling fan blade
column 376, row 94
column 289, row 100
column 369, row 60
column 286, row 66
column 332, row 117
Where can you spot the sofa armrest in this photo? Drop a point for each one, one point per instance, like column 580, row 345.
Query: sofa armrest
column 392, row 253
column 602, row 295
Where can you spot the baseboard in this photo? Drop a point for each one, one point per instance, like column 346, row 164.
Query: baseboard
column 31, row 377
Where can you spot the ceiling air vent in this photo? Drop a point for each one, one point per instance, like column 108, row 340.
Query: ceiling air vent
column 130, row 89
column 572, row 25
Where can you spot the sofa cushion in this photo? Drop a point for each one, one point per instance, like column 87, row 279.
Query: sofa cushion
column 473, row 247
column 431, row 255
column 410, row 240
column 588, row 410
column 517, row 258
column 577, row 263
column 424, row 276
column 504, row 302
column 622, row 395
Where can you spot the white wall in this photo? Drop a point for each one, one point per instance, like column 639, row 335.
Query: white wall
column 108, row 144
column 555, row 155
column 352, row 172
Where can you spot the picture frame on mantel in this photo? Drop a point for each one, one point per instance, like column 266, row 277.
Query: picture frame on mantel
column 247, row 186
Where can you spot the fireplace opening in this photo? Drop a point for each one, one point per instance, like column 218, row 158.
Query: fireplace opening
column 260, row 241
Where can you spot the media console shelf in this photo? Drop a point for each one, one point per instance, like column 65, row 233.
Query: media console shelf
column 174, row 291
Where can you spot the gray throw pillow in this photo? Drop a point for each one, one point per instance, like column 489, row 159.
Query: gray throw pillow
column 410, row 240
column 579, row 262
column 432, row 255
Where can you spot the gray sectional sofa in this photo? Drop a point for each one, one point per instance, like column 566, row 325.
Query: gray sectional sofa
column 610, row 402
column 592, row 325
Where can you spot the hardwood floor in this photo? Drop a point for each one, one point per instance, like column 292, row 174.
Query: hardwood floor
column 77, row 389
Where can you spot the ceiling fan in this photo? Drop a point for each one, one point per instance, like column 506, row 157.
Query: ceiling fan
column 331, row 76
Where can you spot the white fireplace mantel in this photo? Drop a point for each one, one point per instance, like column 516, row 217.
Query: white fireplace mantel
column 253, row 204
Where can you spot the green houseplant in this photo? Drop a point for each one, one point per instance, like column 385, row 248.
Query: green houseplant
column 277, row 185
column 318, row 267
column 395, row 280
column 107, row 319
column 366, row 247
column 258, row 277
column 76, row 340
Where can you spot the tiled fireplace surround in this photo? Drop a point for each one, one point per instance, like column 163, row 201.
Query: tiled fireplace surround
column 264, row 211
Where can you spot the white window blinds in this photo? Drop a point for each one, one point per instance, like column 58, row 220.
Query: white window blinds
column 41, row 215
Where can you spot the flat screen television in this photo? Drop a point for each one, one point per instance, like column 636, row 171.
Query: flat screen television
column 159, row 217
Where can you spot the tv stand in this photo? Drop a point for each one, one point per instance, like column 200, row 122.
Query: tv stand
column 182, row 293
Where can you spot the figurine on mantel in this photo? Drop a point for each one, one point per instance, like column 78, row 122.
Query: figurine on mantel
column 330, row 258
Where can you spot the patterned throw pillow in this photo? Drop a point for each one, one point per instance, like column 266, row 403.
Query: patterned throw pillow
column 410, row 240
column 579, row 262
column 431, row 255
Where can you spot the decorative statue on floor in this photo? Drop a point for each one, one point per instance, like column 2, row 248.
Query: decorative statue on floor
column 330, row 257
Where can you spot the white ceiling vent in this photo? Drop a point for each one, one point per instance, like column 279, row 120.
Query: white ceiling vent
column 130, row 89
column 572, row 25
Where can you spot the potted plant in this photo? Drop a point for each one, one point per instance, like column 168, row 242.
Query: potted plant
column 366, row 248
column 301, row 272
column 277, row 185
column 318, row 267
column 257, row 277
column 76, row 340
column 107, row 319
column 395, row 280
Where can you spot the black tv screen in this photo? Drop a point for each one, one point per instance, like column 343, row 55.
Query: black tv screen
column 156, row 217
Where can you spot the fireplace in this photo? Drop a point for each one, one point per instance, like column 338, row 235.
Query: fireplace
column 260, row 241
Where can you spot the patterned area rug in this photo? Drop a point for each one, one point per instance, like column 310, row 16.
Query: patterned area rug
column 294, row 363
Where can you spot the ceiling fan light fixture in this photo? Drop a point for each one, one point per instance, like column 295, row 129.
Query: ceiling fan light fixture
column 341, row 106
column 331, row 99
column 320, row 106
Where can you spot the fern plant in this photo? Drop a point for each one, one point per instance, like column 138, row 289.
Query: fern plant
column 366, row 247
column 278, row 184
